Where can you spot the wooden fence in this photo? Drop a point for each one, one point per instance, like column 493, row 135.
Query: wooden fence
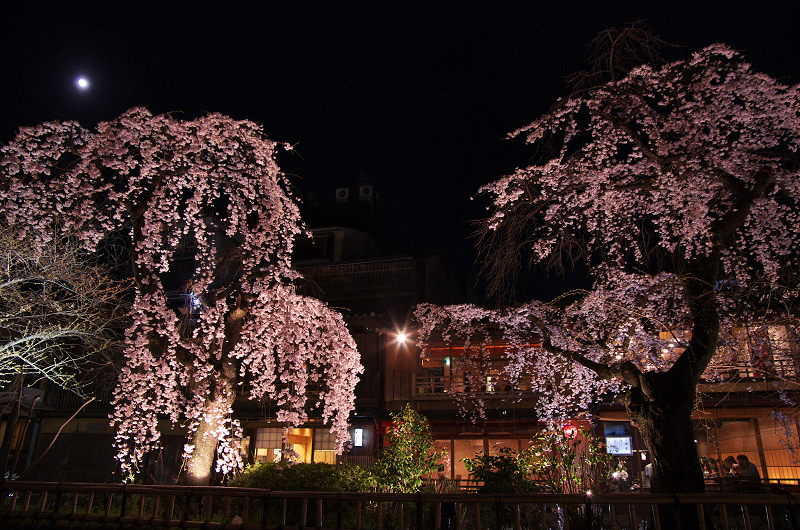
column 73, row 504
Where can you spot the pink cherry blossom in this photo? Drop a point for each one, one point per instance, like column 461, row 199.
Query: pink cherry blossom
column 204, row 198
column 679, row 187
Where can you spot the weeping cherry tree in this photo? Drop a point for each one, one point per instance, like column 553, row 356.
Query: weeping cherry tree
column 678, row 186
column 204, row 198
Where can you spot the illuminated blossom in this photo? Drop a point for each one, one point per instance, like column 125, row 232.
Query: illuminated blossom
column 206, row 198
column 679, row 186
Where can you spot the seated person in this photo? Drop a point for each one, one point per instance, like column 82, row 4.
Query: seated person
column 710, row 468
column 747, row 474
column 729, row 466
column 747, row 469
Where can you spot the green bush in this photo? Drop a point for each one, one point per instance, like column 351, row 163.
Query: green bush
column 409, row 457
column 505, row 473
column 281, row 476
column 571, row 464
column 285, row 476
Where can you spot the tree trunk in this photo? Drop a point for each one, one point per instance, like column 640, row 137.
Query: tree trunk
column 200, row 463
column 219, row 402
column 664, row 420
column 661, row 405
column 665, row 424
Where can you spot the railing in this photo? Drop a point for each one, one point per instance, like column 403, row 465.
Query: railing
column 66, row 401
column 746, row 370
column 359, row 460
column 441, row 386
column 245, row 509
column 364, row 277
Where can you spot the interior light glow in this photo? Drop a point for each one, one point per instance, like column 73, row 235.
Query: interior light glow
column 358, row 437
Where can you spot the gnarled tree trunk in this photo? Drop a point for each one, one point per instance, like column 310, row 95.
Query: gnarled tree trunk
column 664, row 421
column 663, row 416
column 200, row 462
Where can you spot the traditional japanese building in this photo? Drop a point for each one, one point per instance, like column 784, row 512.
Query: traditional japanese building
column 742, row 409
column 351, row 263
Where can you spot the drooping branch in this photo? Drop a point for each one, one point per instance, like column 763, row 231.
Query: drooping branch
column 205, row 203
column 61, row 313
column 626, row 370
column 735, row 217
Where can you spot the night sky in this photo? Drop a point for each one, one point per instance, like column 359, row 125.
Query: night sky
column 414, row 98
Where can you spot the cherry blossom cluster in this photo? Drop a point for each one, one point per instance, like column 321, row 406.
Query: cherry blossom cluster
column 679, row 186
column 207, row 192
column 575, row 352
column 678, row 151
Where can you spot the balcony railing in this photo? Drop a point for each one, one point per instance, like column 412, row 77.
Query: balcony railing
column 777, row 368
column 65, row 401
column 358, row 279
column 30, row 503
column 442, row 386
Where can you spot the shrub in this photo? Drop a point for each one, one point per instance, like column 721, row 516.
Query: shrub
column 570, row 464
column 505, row 473
column 282, row 476
column 409, row 457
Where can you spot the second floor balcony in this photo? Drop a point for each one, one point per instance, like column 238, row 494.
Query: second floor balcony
column 448, row 387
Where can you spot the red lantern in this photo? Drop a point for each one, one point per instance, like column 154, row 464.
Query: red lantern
column 570, row 431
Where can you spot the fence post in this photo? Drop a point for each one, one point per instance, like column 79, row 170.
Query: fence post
column 170, row 508
column 123, row 511
column 58, row 498
column 109, row 500
column 265, row 508
column 141, row 506
column 676, row 511
column 339, row 511
column 207, row 501
column 588, row 512
column 419, row 511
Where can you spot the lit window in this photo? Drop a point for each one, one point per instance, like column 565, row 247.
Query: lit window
column 358, row 437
